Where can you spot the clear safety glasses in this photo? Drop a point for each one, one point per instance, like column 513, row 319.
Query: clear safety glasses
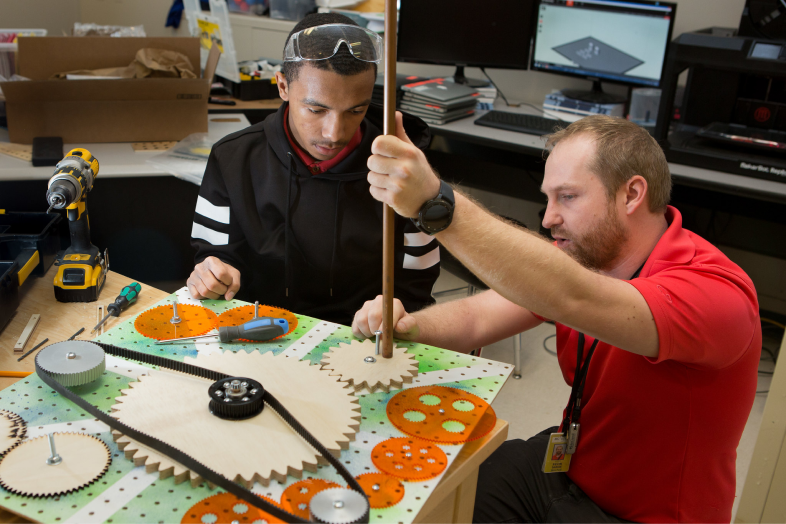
column 323, row 41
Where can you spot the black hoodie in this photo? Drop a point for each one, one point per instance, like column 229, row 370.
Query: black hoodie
column 309, row 244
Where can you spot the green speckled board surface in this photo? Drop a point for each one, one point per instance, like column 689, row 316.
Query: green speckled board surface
column 128, row 494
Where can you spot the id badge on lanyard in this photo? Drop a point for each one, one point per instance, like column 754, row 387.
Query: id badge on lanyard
column 563, row 445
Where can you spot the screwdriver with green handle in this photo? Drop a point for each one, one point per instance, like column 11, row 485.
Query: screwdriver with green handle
column 127, row 296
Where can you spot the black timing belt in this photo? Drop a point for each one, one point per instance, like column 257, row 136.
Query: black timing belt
column 186, row 460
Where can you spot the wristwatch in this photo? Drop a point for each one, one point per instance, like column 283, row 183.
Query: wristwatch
column 436, row 214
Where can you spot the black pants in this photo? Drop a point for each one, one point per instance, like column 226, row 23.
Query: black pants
column 513, row 488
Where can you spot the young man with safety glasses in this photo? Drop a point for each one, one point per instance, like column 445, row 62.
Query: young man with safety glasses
column 658, row 332
column 284, row 215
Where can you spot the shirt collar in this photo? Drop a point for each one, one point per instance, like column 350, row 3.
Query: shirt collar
column 317, row 167
column 674, row 247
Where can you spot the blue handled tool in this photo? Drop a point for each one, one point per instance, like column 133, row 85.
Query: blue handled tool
column 259, row 329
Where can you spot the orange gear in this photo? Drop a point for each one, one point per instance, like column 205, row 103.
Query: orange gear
column 194, row 321
column 296, row 497
column 241, row 315
column 411, row 459
column 441, row 414
column 383, row 491
column 227, row 508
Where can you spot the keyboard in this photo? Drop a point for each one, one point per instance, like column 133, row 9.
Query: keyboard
column 519, row 122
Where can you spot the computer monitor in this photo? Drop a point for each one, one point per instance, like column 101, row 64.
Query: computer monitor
column 466, row 33
column 620, row 41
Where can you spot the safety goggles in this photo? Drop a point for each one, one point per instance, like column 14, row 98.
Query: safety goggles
column 323, row 41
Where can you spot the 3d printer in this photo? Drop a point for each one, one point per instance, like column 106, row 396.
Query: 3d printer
column 733, row 112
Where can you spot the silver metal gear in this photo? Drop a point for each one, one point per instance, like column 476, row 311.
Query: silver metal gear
column 73, row 362
column 338, row 506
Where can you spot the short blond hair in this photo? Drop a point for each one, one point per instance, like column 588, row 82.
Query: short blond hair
column 622, row 150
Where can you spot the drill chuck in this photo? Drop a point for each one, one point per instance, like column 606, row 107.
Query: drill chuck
column 63, row 191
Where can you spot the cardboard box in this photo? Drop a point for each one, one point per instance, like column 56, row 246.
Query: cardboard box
column 89, row 111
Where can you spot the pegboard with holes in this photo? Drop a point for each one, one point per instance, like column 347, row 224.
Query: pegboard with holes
column 129, row 494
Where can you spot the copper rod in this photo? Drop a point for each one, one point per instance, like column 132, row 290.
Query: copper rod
column 388, row 215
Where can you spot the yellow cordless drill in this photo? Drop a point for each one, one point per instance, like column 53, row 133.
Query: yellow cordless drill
column 81, row 270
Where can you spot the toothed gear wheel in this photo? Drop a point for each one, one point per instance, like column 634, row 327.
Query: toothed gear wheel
column 239, row 449
column 24, row 470
column 242, row 314
column 12, row 430
column 409, row 458
column 441, row 414
column 296, row 497
column 225, row 508
column 73, row 362
column 157, row 322
column 357, row 364
column 382, row 490
column 236, row 398
column 339, row 506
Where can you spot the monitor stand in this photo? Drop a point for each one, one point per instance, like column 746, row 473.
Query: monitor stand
column 459, row 78
column 596, row 96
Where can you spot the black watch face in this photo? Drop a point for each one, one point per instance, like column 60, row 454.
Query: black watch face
column 436, row 216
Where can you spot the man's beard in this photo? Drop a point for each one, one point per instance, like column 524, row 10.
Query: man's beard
column 600, row 246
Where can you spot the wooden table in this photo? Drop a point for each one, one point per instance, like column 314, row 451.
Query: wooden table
column 452, row 501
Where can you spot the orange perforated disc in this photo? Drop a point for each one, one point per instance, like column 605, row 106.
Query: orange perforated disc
column 408, row 458
column 225, row 508
column 194, row 321
column 382, row 490
column 296, row 497
column 243, row 314
column 441, row 414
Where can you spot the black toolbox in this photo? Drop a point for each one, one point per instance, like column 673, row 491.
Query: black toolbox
column 29, row 243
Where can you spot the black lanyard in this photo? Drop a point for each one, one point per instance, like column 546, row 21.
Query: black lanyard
column 573, row 411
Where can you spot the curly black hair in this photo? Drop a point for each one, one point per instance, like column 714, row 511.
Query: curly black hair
column 342, row 62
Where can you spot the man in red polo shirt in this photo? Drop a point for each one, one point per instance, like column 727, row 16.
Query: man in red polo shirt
column 284, row 215
column 658, row 332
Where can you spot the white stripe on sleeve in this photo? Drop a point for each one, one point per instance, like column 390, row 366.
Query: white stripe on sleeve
column 423, row 262
column 217, row 213
column 214, row 237
column 417, row 239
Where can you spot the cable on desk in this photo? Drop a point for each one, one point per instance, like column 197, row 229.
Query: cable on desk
column 499, row 91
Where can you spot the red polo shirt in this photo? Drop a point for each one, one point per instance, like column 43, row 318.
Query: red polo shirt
column 317, row 167
column 659, row 436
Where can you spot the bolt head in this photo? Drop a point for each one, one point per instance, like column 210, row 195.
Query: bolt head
column 227, row 399
column 441, row 411
column 244, row 384
column 71, row 355
column 375, row 487
column 253, row 392
column 338, row 504
column 369, row 360
column 244, row 399
column 408, row 454
column 219, row 393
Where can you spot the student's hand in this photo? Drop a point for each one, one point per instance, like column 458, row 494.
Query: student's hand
column 212, row 278
column 369, row 319
column 400, row 174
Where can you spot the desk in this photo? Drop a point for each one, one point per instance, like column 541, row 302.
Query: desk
column 466, row 130
column 116, row 159
column 452, row 499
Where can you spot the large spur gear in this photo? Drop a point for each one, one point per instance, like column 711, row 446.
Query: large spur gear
column 441, row 414
column 28, row 471
column 174, row 408
column 161, row 323
column 357, row 364
column 12, row 430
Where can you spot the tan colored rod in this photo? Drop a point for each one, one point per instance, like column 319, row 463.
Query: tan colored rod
column 388, row 215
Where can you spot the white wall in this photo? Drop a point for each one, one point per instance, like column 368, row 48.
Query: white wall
column 150, row 13
column 56, row 16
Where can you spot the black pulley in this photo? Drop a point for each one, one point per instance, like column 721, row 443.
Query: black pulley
column 236, row 398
